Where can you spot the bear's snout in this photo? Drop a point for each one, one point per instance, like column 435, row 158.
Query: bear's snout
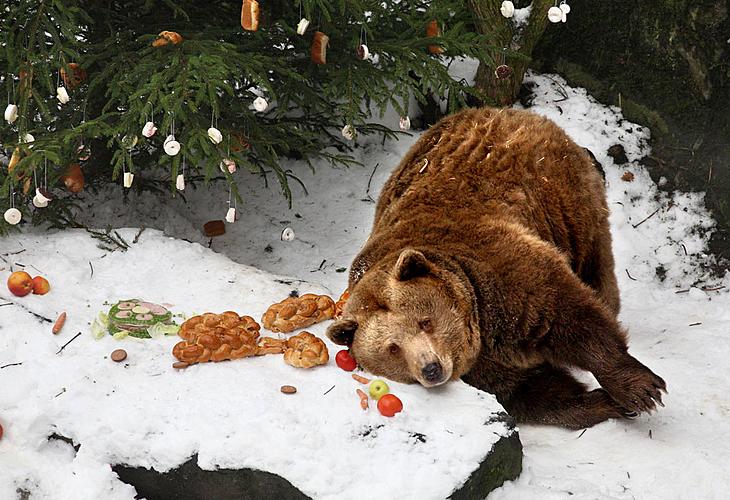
column 433, row 373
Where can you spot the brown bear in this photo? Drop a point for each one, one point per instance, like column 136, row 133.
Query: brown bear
column 490, row 260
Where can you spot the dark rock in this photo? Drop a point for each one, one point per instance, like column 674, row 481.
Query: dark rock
column 190, row 482
column 618, row 153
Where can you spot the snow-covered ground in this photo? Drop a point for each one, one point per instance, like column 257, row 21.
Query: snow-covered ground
column 675, row 327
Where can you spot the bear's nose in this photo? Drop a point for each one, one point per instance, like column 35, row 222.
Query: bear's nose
column 433, row 372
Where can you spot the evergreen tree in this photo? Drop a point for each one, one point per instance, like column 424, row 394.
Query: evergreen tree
column 119, row 74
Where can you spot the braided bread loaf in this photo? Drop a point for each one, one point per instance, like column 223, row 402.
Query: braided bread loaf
column 294, row 313
column 216, row 337
column 305, row 351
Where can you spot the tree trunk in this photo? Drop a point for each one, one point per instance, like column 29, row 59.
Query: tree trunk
column 508, row 44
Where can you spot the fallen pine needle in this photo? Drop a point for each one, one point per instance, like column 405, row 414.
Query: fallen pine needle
column 67, row 343
column 360, row 379
column 363, row 399
column 59, row 323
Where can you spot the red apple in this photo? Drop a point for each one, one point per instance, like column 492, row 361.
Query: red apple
column 20, row 283
column 345, row 360
column 41, row 285
column 389, row 405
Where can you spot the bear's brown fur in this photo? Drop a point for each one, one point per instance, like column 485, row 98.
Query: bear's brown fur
column 490, row 260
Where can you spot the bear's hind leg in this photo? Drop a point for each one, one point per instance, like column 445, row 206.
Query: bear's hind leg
column 598, row 270
column 551, row 396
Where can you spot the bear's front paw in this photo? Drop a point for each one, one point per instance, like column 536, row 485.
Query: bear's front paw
column 634, row 387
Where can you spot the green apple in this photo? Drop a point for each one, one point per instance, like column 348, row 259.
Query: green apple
column 378, row 388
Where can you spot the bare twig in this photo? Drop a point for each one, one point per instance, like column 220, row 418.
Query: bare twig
column 370, row 180
column 695, row 324
column 92, row 269
column 11, row 364
column 646, row 219
column 328, row 390
column 67, row 343
column 630, row 277
column 136, row 237
column 684, row 248
column 581, row 434
column 712, row 289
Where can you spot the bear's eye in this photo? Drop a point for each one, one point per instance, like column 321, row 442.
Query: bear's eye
column 426, row 325
column 393, row 349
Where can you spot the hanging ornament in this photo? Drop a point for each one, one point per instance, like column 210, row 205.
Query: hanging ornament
column 302, row 26
column 348, row 132
column 149, row 129
column 404, row 123
column 128, row 179
column 14, row 160
column 62, row 95
column 287, row 234
column 250, row 15
column 171, row 146
column 27, row 139
column 167, row 38
column 75, row 76
column 231, row 215
column 180, row 179
column 73, row 179
column 11, row 113
column 362, row 52
column 240, row 143
column 227, row 165
column 503, row 72
column 434, row 30
column 42, row 196
column 13, row 216
column 38, row 203
column 565, row 7
column 555, row 15
column 129, row 141
column 507, row 9
column 215, row 135
column 83, row 152
column 374, row 58
column 318, row 51
column 260, row 104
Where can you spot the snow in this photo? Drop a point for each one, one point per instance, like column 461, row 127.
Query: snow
column 675, row 327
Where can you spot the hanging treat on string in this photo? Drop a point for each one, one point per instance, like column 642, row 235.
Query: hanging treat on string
column 42, row 195
column 231, row 213
column 434, row 30
column 507, row 9
column 303, row 23
column 12, row 215
column 566, row 10
column 73, row 179
column 349, row 132
column 214, row 134
column 167, row 38
column 128, row 179
column 555, row 14
column 180, row 179
column 250, row 15
column 129, row 141
column 149, row 128
column 74, row 77
column 11, row 113
column 171, row 146
column 62, row 95
column 227, row 165
column 318, row 50
column 260, row 104
column 503, row 72
column 83, row 151
column 362, row 52
column 27, row 138
column 404, row 123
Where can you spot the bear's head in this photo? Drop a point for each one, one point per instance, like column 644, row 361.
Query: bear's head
column 410, row 320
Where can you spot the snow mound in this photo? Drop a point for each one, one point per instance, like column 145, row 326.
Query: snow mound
column 142, row 412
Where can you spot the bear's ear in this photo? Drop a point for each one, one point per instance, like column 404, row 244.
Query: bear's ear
column 411, row 264
column 342, row 331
